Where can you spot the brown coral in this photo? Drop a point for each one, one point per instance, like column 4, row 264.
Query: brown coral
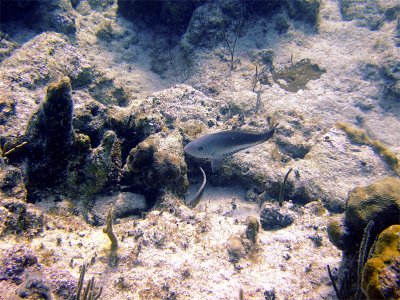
column 381, row 273
column 379, row 202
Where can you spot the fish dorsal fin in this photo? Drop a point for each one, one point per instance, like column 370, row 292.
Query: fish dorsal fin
column 215, row 164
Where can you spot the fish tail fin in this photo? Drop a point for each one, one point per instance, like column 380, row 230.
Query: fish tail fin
column 269, row 133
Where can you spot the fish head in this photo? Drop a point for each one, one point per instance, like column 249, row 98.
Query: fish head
column 199, row 149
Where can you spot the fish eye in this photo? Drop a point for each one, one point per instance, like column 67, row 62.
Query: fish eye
column 200, row 148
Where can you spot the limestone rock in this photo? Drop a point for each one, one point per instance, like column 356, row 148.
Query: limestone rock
column 16, row 261
column 125, row 204
column 55, row 15
column 204, row 28
column 371, row 13
column 11, row 183
column 18, row 217
column 305, row 10
column 158, row 163
column 39, row 62
column 100, row 168
column 35, row 286
column 235, row 248
column 90, row 117
column 183, row 103
column 50, row 136
column 7, row 45
column 63, row 284
column 272, row 217
column 241, row 103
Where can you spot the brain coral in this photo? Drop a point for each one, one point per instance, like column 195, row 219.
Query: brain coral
column 379, row 202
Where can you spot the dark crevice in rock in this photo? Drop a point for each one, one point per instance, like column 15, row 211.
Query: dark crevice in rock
column 55, row 15
column 17, row 10
column 170, row 14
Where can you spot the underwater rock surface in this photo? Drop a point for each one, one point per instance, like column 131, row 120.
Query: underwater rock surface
column 370, row 13
column 49, row 136
column 99, row 98
column 43, row 15
column 174, row 15
column 372, row 214
column 157, row 165
column 125, row 204
column 271, row 217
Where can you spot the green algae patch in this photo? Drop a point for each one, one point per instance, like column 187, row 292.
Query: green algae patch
column 380, row 273
column 356, row 135
column 388, row 155
column 360, row 136
column 295, row 77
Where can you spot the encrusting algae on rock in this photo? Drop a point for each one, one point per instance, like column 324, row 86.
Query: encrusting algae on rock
column 360, row 136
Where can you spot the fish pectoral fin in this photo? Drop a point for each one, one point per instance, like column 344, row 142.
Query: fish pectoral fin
column 215, row 164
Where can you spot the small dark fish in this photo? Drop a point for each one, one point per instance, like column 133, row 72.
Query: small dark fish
column 217, row 146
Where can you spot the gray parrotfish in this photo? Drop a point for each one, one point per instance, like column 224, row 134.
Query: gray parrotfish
column 216, row 146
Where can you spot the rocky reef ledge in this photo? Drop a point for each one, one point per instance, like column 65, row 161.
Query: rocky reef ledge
column 98, row 100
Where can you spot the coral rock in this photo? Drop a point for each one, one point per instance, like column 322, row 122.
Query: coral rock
column 235, row 248
column 158, row 162
column 173, row 15
column 339, row 234
column 15, row 262
column 50, row 135
column 11, row 183
column 272, row 217
column 252, row 229
column 141, row 156
column 20, row 218
column 102, row 167
column 379, row 202
column 35, row 287
column 125, row 205
column 371, row 14
column 381, row 273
